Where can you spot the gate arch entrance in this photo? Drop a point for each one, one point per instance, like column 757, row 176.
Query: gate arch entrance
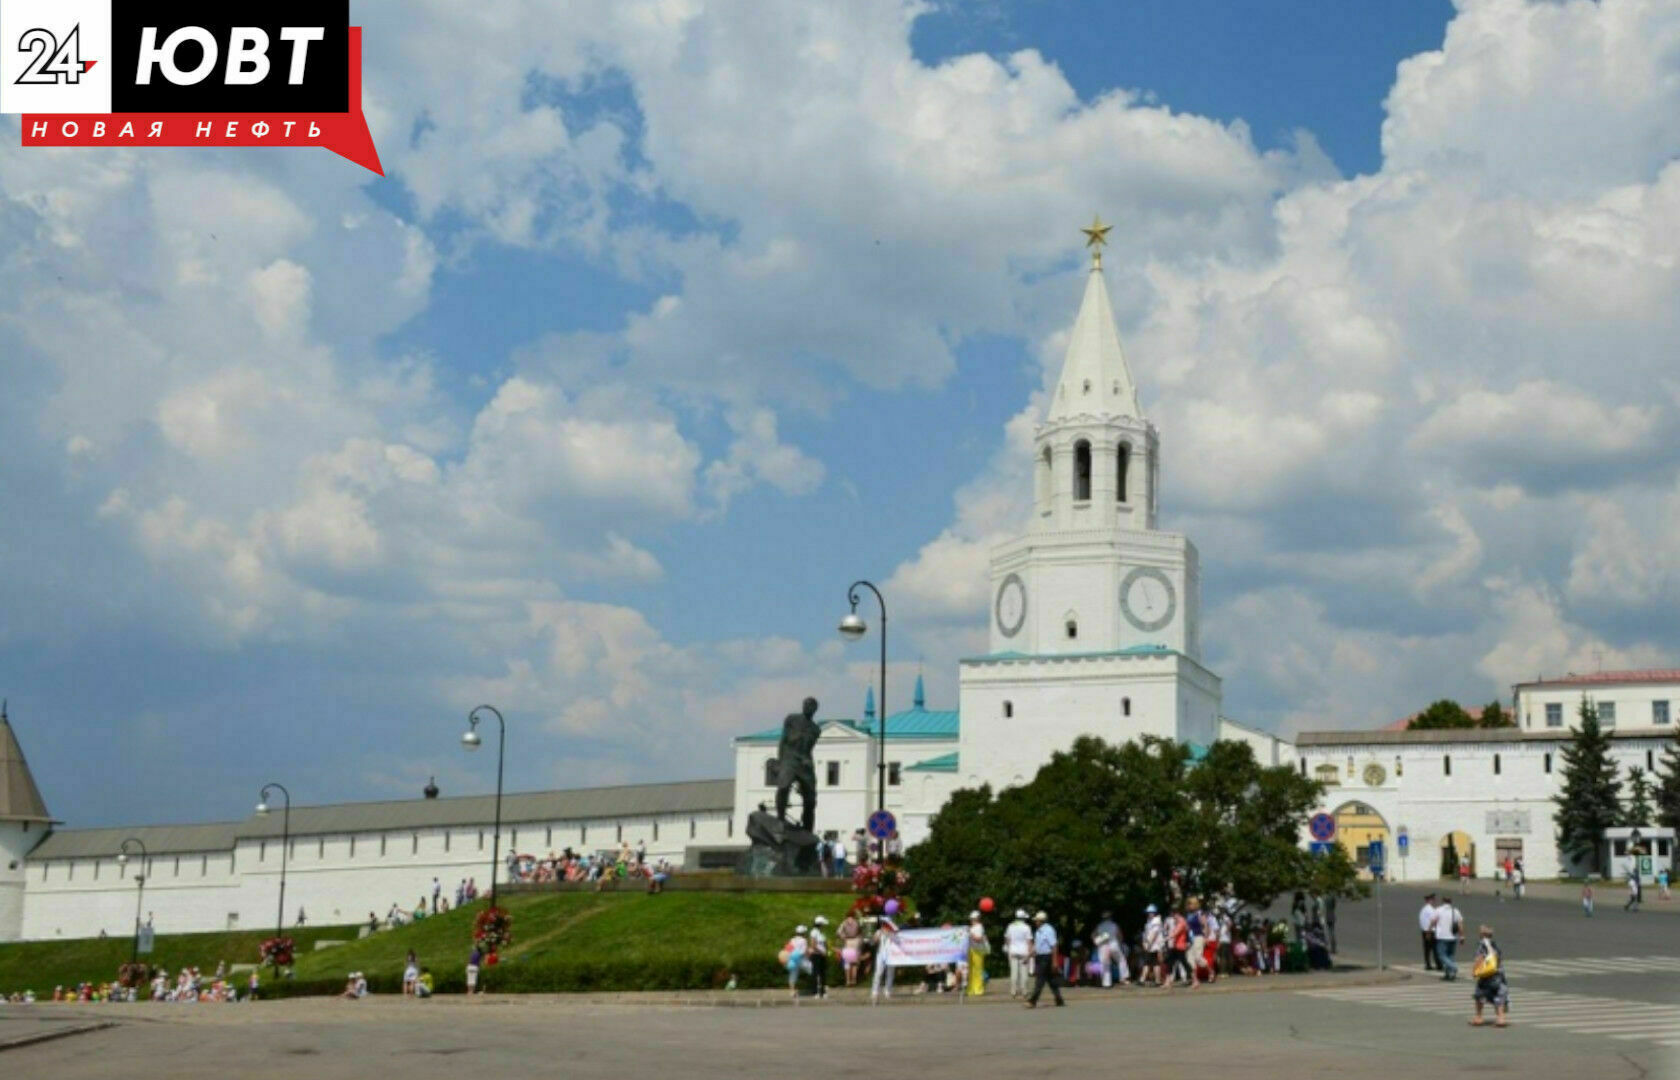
column 1357, row 824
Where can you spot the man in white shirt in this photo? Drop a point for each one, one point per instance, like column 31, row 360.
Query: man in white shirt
column 1017, row 940
column 1448, row 925
column 1154, row 946
column 819, row 957
column 1426, row 925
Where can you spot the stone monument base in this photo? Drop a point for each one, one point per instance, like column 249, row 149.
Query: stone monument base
column 780, row 849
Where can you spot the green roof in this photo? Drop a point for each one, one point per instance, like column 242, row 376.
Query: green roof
column 918, row 724
column 1135, row 650
column 942, row 763
column 775, row 734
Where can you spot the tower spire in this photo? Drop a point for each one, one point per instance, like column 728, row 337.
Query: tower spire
column 1095, row 379
column 20, row 799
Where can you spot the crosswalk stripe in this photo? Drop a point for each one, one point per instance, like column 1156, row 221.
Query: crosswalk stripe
column 1576, row 1013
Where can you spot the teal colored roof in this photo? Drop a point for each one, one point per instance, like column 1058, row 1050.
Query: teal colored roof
column 1197, row 751
column 942, row 763
column 918, row 724
column 1135, row 650
column 775, row 734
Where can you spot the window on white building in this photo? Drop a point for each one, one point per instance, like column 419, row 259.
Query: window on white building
column 1082, row 471
column 1072, row 629
column 1008, row 710
column 1650, row 763
column 321, row 848
column 1659, row 712
column 1328, row 775
column 1554, row 714
column 895, row 775
column 1125, row 459
column 1446, row 764
column 204, row 866
column 770, row 773
column 1548, row 763
column 1399, row 766
column 352, row 846
column 1607, row 714
column 1303, row 766
column 1496, row 764
column 414, row 844
column 693, row 828
column 834, row 774
column 262, row 850
column 656, row 832
column 1125, row 706
column 446, row 835
column 621, row 832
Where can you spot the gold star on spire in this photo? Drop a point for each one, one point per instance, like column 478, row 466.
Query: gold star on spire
column 1096, row 235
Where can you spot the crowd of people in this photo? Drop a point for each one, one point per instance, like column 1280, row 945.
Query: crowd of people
column 1195, row 941
column 603, row 869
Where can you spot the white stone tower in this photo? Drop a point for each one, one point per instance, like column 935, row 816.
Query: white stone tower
column 1095, row 620
column 23, row 822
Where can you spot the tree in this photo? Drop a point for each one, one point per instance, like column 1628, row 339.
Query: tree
column 1495, row 716
column 1442, row 714
column 1639, row 812
column 1105, row 828
column 1668, row 785
column 1589, row 802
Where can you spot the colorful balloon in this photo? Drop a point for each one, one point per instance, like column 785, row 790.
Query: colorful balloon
column 986, row 904
column 892, row 907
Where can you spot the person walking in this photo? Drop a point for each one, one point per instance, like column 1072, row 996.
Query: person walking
column 1491, row 987
column 1587, row 900
column 1449, row 932
column 978, row 949
column 1426, row 924
column 1662, row 884
column 1017, row 943
column 1044, row 961
column 1518, row 879
column 883, row 963
column 1178, row 948
column 1107, row 942
column 819, row 957
column 1633, row 890
column 1154, row 948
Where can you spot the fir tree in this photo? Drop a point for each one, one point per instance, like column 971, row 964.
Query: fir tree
column 1639, row 813
column 1589, row 802
column 1668, row 785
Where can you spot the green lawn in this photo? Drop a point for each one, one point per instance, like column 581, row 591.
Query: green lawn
column 583, row 941
column 562, row 942
column 42, row 965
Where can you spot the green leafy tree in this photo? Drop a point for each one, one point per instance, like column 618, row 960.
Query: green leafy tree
column 1495, row 716
column 1104, row 827
column 1590, row 800
column 1442, row 714
column 1639, row 811
column 1668, row 785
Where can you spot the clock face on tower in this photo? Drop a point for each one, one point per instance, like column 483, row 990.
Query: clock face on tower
column 1011, row 607
column 1147, row 599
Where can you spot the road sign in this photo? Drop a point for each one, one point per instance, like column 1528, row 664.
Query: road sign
column 1319, row 847
column 145, row 946
column 1374, row 856
column 1322, row 827
column 1403, row 841
column 882, row 824
column 1644, row 864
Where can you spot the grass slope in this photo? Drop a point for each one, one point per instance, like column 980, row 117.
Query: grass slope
column 591, row 941
column 42, row 965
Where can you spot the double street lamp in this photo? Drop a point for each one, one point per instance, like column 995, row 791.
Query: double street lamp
column 140, row 887
column 852, row 627
column 472, row 741
column 285, row 846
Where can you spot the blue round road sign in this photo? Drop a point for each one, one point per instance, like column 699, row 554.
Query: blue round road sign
column 882, row 824
column 1322, row 827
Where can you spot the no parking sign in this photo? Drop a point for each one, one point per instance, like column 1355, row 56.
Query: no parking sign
column 1322, row 827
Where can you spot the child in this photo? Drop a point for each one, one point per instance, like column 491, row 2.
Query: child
column 1491, row 987
column 423, row 985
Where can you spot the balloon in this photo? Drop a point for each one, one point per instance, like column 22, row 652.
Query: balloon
column 1093, row 968
column 986, row 904
column 892, row 907
column 850, row 956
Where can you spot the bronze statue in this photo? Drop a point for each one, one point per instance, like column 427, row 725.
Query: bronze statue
column 794, row 766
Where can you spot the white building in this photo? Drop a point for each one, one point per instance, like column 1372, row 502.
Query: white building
column 1094, row 629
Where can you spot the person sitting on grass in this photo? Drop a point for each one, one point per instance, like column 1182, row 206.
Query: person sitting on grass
column 355, row 987
column 1491, row 987
column 423, row 985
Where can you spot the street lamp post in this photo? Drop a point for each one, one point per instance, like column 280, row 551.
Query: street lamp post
column 471, row 740
column 140, row 888
column 285, row 846
column 853, row 627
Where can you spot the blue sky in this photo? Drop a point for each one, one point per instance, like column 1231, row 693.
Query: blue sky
column 667, row 326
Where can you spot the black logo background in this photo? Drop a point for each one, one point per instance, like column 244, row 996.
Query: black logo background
column 326, row 78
